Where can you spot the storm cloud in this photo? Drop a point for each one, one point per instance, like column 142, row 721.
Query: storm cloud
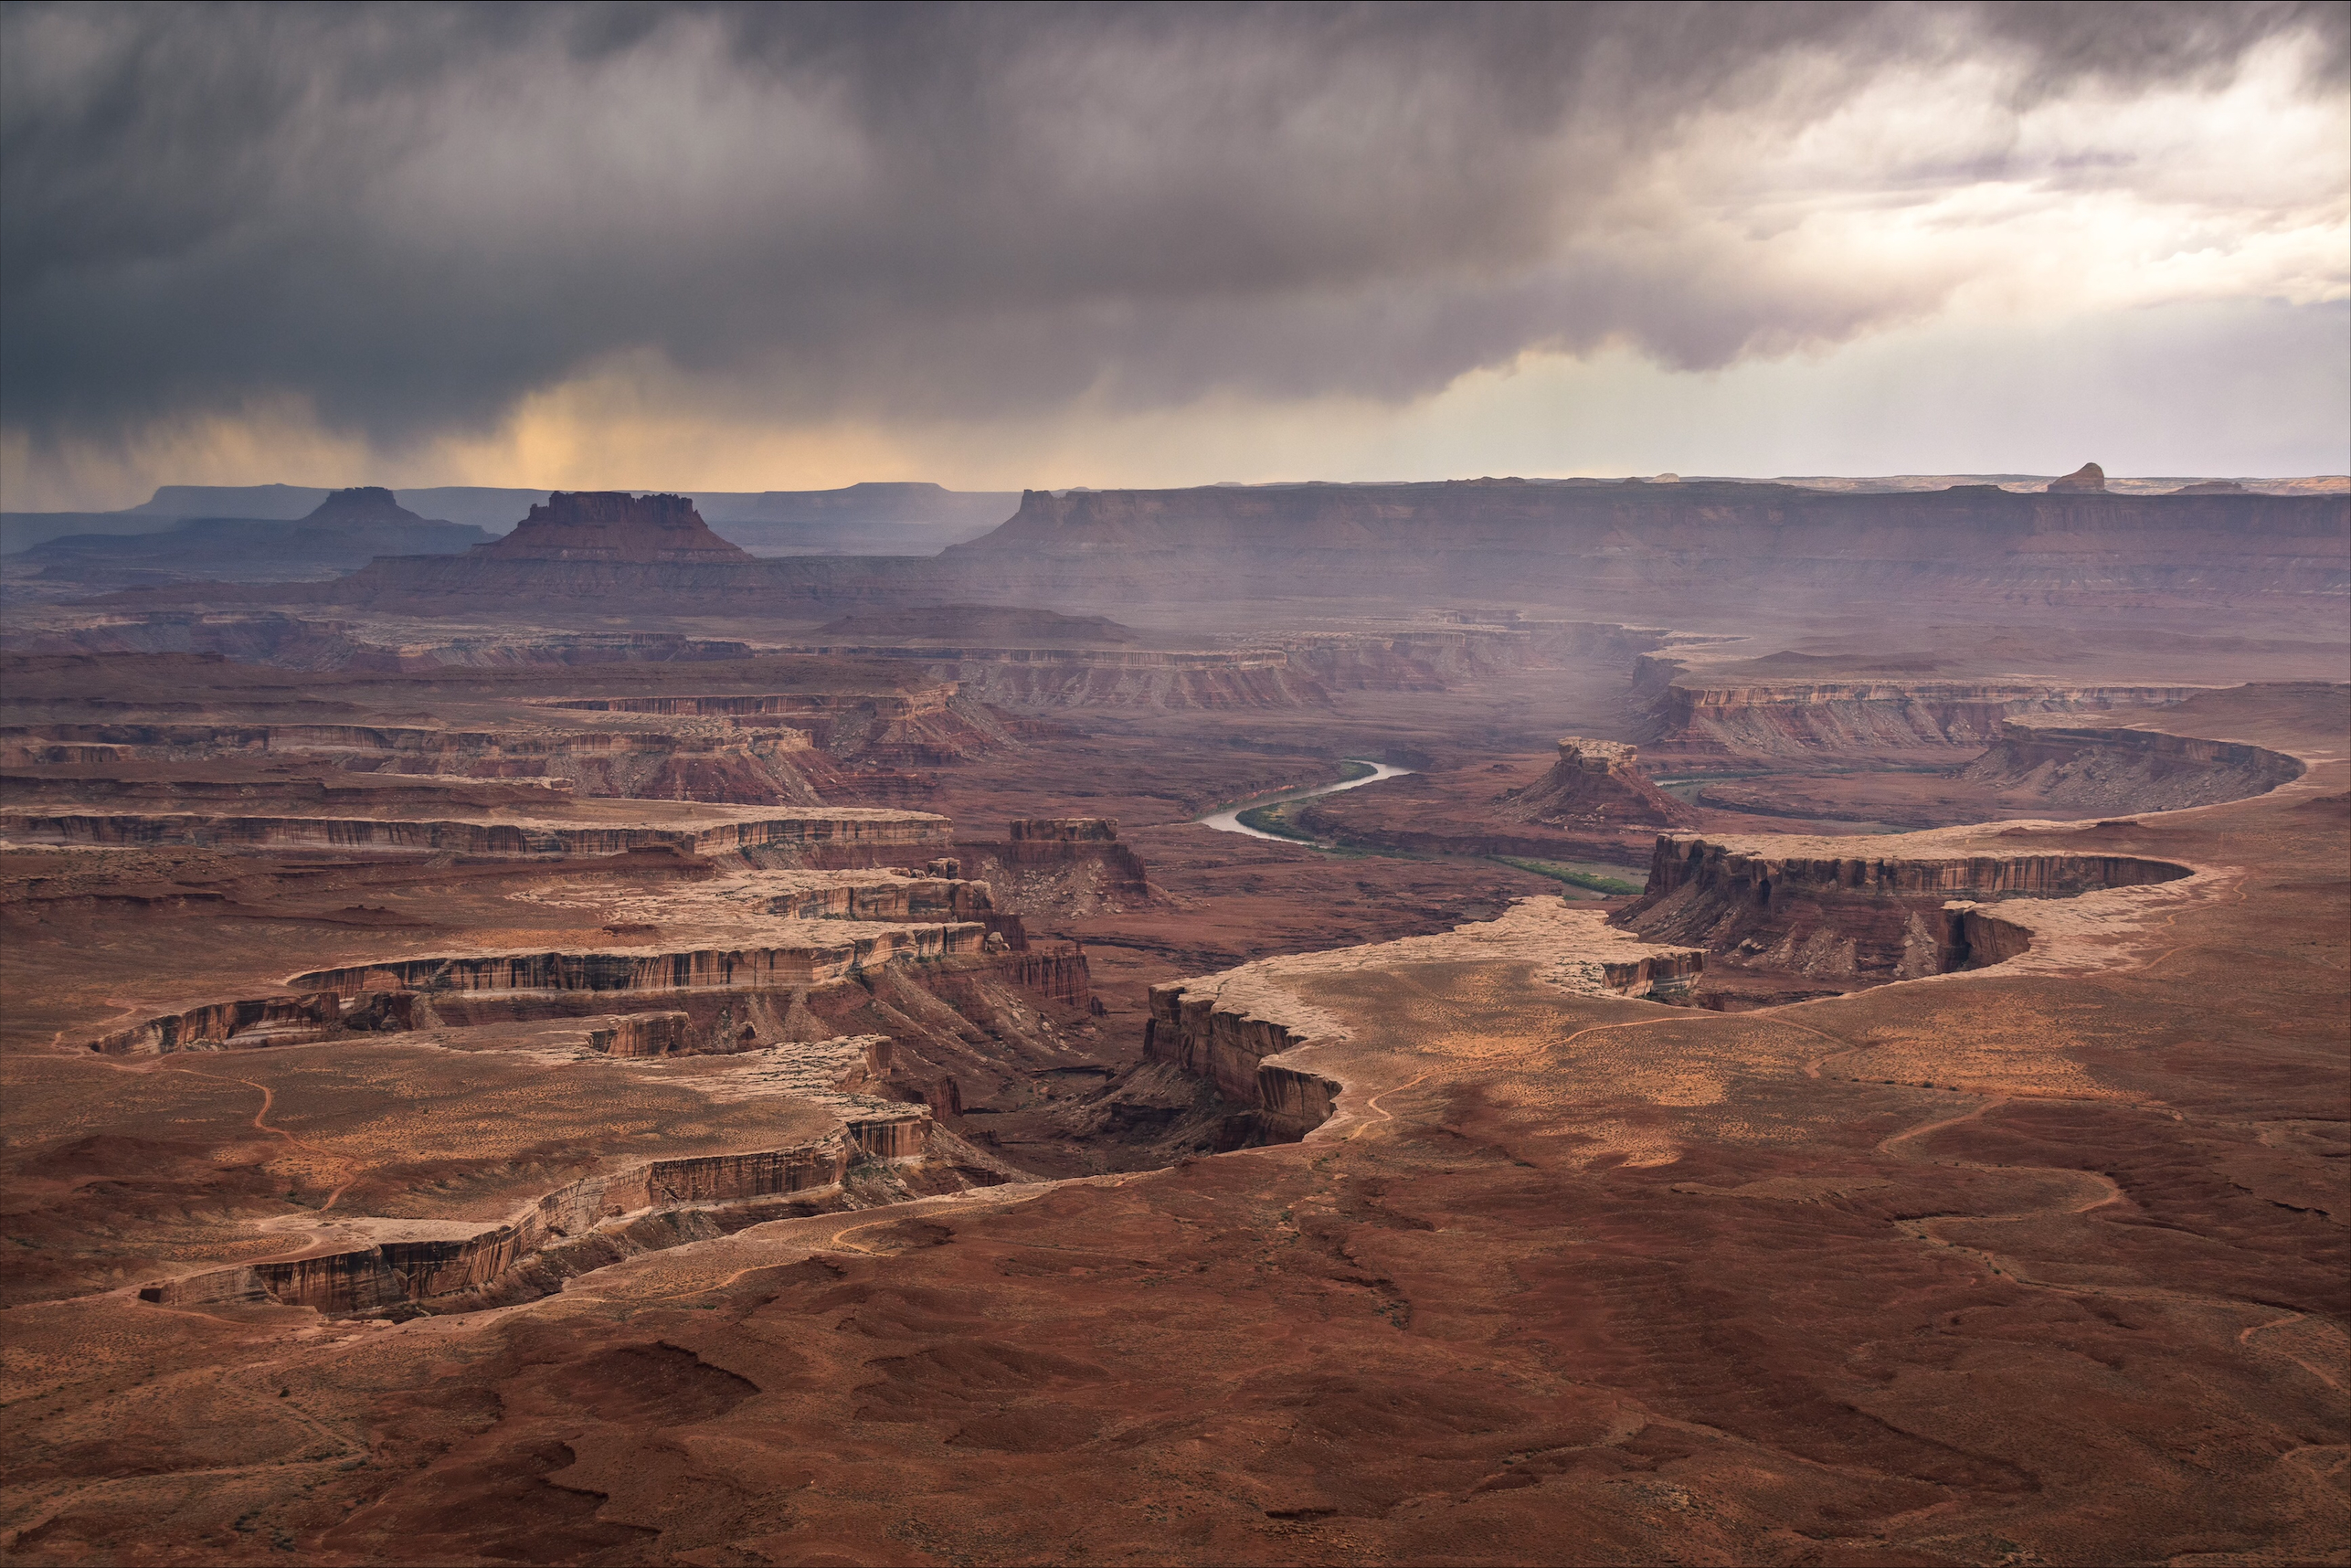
column 408, row 217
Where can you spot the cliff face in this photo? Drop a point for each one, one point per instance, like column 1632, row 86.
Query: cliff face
column 1806, row 718
column 1594, row 784
column 615, row 526
column 2115, row 770
column 1786, row 908
column 814, row 962
column 1228, row 1045
column 832, row 827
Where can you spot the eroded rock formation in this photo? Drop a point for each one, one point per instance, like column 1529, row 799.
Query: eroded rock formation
column 1594, row 784
column 1813, row 908
column 597, row 1221
column 615, row 526
column 1239, row 1029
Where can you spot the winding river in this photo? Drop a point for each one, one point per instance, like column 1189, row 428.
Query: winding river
column 1227, row 818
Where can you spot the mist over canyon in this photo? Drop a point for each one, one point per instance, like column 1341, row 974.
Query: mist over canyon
column 1043, row 839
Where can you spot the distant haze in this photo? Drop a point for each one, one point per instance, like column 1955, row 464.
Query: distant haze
column 760, row 250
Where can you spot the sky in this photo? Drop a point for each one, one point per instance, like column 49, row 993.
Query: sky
column 741, row 248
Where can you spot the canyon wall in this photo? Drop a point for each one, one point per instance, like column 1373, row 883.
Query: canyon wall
column 1227, row 1045
column 2105, row 771
column 815, row 962
column 1802, row 719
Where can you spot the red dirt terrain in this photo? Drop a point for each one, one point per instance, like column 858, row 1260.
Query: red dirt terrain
column 516, row 1096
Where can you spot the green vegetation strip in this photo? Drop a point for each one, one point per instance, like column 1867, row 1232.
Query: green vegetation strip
column 1271, row 820
column 1615, row 886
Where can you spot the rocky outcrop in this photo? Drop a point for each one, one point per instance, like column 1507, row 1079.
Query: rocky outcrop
column 2087, row 479
column 615, row 526
column 1060, row 866
column 1059, row 973
column 1811, row 907
column 644, row 1034
column 2106, row 771
column 1594, row 784
column 1062, row 830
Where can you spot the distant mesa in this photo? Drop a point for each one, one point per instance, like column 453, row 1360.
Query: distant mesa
column 2213, row 487
column 997, row 625
column 2087, row 479
column 614, row 526
column 361, row 506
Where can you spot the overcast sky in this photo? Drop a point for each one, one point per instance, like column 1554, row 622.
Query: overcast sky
column 740, row 248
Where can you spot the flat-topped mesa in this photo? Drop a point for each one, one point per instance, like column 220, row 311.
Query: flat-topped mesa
column 1594, row 783
column 614, row 526
column 1234, row 1028
column 361, row 504
column 1803, row 906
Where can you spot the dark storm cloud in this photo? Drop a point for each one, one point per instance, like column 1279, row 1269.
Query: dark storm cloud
column 412, row 215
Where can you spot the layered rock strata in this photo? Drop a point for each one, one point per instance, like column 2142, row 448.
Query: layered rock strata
column 616, row 527
column 830, row 827
column 2117, row 769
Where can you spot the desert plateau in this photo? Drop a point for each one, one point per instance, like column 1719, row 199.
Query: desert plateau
column 665, row 993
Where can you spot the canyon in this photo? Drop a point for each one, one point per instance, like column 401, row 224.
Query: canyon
column 605, row 1048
